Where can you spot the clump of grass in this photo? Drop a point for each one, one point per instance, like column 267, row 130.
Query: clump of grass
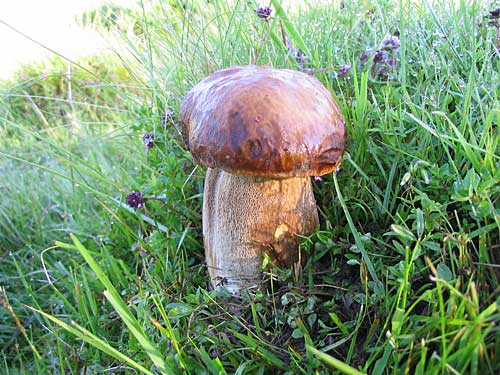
column 402, row 275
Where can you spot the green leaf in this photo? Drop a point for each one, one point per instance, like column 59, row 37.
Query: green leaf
column 338, row 323
column 402, row 232
column 297, row 333
column 444, row 272
column 405, row 179
column 397, row 321
column 178, row 309
column 381, row 363
column 213, row 365
column 420, row 222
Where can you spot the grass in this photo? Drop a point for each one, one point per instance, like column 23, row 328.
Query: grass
column 402, row 275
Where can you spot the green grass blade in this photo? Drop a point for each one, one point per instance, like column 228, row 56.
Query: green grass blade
column 257, row 347
column 93, row 340
column 357, row 237
column 298, row 41
column 122, row 309
column 334, row 362
column 214, row 365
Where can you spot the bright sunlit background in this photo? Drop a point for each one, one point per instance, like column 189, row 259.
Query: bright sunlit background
column 51, row 23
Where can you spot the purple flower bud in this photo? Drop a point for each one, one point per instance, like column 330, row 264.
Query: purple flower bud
column 391, row 41
column 264, row 12
column 135, row 199
column 494, row 14
column 215, row 353
column 318, row 178
column 379, row 56
column 391, row 62
column 343, row 72
column 148, row 140
column 165, row 116
column 300, row 57
column 364, row 56
column 382, row 71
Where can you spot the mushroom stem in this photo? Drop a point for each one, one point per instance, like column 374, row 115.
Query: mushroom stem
column 245, row 216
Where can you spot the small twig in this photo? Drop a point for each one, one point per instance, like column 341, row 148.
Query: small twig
column 43, row 264
column 320, row 70
column 486, row 264
column 331, row 286
column 283, row 34
column 266, row 35
column 497, row 26
column 262, row 41
column 4, row 301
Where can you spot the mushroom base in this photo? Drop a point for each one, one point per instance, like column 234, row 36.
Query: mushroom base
column 245, row 216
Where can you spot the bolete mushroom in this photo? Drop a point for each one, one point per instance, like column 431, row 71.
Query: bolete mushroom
column 262, row 132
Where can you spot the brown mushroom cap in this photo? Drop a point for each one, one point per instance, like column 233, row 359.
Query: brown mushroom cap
column 260, row 121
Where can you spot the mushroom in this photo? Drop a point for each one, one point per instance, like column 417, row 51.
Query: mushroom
column 262, row 132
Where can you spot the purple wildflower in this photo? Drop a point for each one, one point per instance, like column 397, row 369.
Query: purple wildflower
column 494, row 14
column 364, row 56
column 215, row 353
column 166, row 115
column 299, row 55
column 391, row 42
column 382, row 71
column 264, row 13
column 318, row 178
column 148, row 140
column 379, row 56
column 343, row 72
column 391, row 62
column 135, row 199
column 384, row 59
